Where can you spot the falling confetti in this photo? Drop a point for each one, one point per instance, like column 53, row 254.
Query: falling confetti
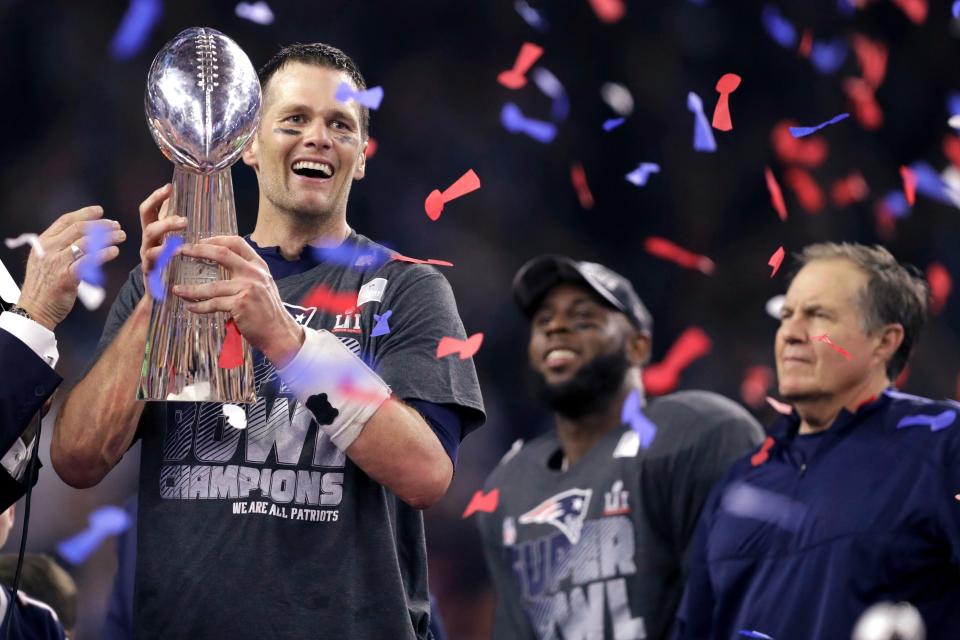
column 754, row 634
column 103, row 522
column 531, row 16
column 578, row 178
column 872, row 56
column 466, row 348
column 26, row 238
column 940, row 284
column 516, row 77
column 803, row 184
column 663, row 248
column 382, row 328
column 370, row 98
column 97, row 238
column 231, row 351
column 632, row 415
column 774, row 305
column 826, row 340
column 551, row 87
column 258, row 12
column 808, row 153
column 135, row 27
column 326, row 299
column 747, row 501
column 613, row 123
column 433, row 261
column 514, row 121
column 799, row 132
column 862, row 97
column 726, row 85
column 467, row 183
column 703, row 139
column 755, row 384
column 780, row 29
column 909, row 185
column 776, row 195
column 617, row 97
column 155, row 279
column 91, row 296
column 643, row 171
column 482, row 503
column 849, row 190
column 915, row 10
column 608, row 10
column 780, row 407
column 826, row 57
column 776, row 260
column 664, row 376
column 236, row 416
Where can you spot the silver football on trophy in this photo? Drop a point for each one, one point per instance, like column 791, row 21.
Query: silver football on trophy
column 203, row 100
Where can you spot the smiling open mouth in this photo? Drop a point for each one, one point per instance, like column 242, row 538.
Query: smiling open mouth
column 309, row 169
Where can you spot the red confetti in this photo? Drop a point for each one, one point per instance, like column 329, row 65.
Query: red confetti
column 806, row 189
column 484, row 503
column 466, row 348
column 328, row 300
column 753, row 388
column 231, row 351
column 763, row 454
column 664, row 376
column 608, row 11
column 863, row 103
column 909, row 184
column 902, row 378
column 826, row 340
column 956, row 497
column 776, row 260
column 663, row 248
column 916, row 10
column 780, row 407
column 433, row 261
column 371, row 148
column 849, row 190
column 951, row 149
column 516, row 77
column 579, row 179
column 347, row 388
column 884, row 220
column 726, row 85
column 806, row 44
column 776, row 195
column 940, row 284
column 808, row 151
column 465, row 184
column 872, row 55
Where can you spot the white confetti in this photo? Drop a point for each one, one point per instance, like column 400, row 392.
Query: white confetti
column 24, row 238
column 9, row 290
column 258, row 12
column 236, row 416
column 954, row 121
column 618, row 97
column 91, row 296
column 774, row 305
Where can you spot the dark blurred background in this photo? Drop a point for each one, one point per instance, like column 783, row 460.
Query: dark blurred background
column 75, row 135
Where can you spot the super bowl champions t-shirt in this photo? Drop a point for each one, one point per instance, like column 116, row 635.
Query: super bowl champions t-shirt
column 600, row 550
column 271, row 531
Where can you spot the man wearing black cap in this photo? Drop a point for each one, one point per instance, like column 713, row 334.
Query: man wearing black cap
column 587, row 532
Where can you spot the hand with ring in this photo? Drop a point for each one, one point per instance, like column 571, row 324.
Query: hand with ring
column 49, row 288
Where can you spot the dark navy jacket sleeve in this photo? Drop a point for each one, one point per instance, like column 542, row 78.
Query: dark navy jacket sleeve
column 27, row 383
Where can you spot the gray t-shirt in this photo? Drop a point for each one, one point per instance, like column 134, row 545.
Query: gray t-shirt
column 599, row 551
column 271, row 531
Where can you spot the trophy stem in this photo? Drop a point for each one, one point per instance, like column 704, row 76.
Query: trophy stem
column 182, row 349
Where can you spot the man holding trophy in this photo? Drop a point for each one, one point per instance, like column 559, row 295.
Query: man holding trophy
column 305, row 523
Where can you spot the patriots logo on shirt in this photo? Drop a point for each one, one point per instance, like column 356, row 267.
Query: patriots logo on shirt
column 566, row 511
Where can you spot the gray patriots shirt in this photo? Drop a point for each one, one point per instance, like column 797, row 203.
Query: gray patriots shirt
column 271, row 531
column 599, row 551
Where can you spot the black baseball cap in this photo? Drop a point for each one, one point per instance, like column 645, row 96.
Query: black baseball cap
column 538, row 276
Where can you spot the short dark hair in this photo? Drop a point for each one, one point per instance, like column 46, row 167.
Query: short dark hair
column 895, row 292
column 322, row 55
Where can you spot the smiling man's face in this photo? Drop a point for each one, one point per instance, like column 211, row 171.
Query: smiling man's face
column 309, row 148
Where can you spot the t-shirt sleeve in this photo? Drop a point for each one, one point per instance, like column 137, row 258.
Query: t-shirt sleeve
column 706, row 435
column 121, row 309
column 424, row 311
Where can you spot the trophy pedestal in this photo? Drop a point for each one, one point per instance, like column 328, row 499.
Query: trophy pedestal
column 183, row 348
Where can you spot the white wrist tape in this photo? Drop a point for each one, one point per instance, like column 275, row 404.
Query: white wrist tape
column 335, row 385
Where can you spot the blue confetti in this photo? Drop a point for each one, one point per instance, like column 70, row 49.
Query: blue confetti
column 754, row 634
column 104, row 522
column 632, row 415
column 551, row 87
column 779, row 28
column 956, row 9
column 799, row 132
column 936, row 423
column 953, row 100
column 931, row 185
column 370, row 98
column 827, row 57
column 350, row 255
column 155, row 279
column 89, row 270
column 531, row 16
column 703, row 139
column 896, row 203
column 135, row 28
column 643, row 171
column 381, row 328
column 845, row 8
column 613, row 123
column 514, row 121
